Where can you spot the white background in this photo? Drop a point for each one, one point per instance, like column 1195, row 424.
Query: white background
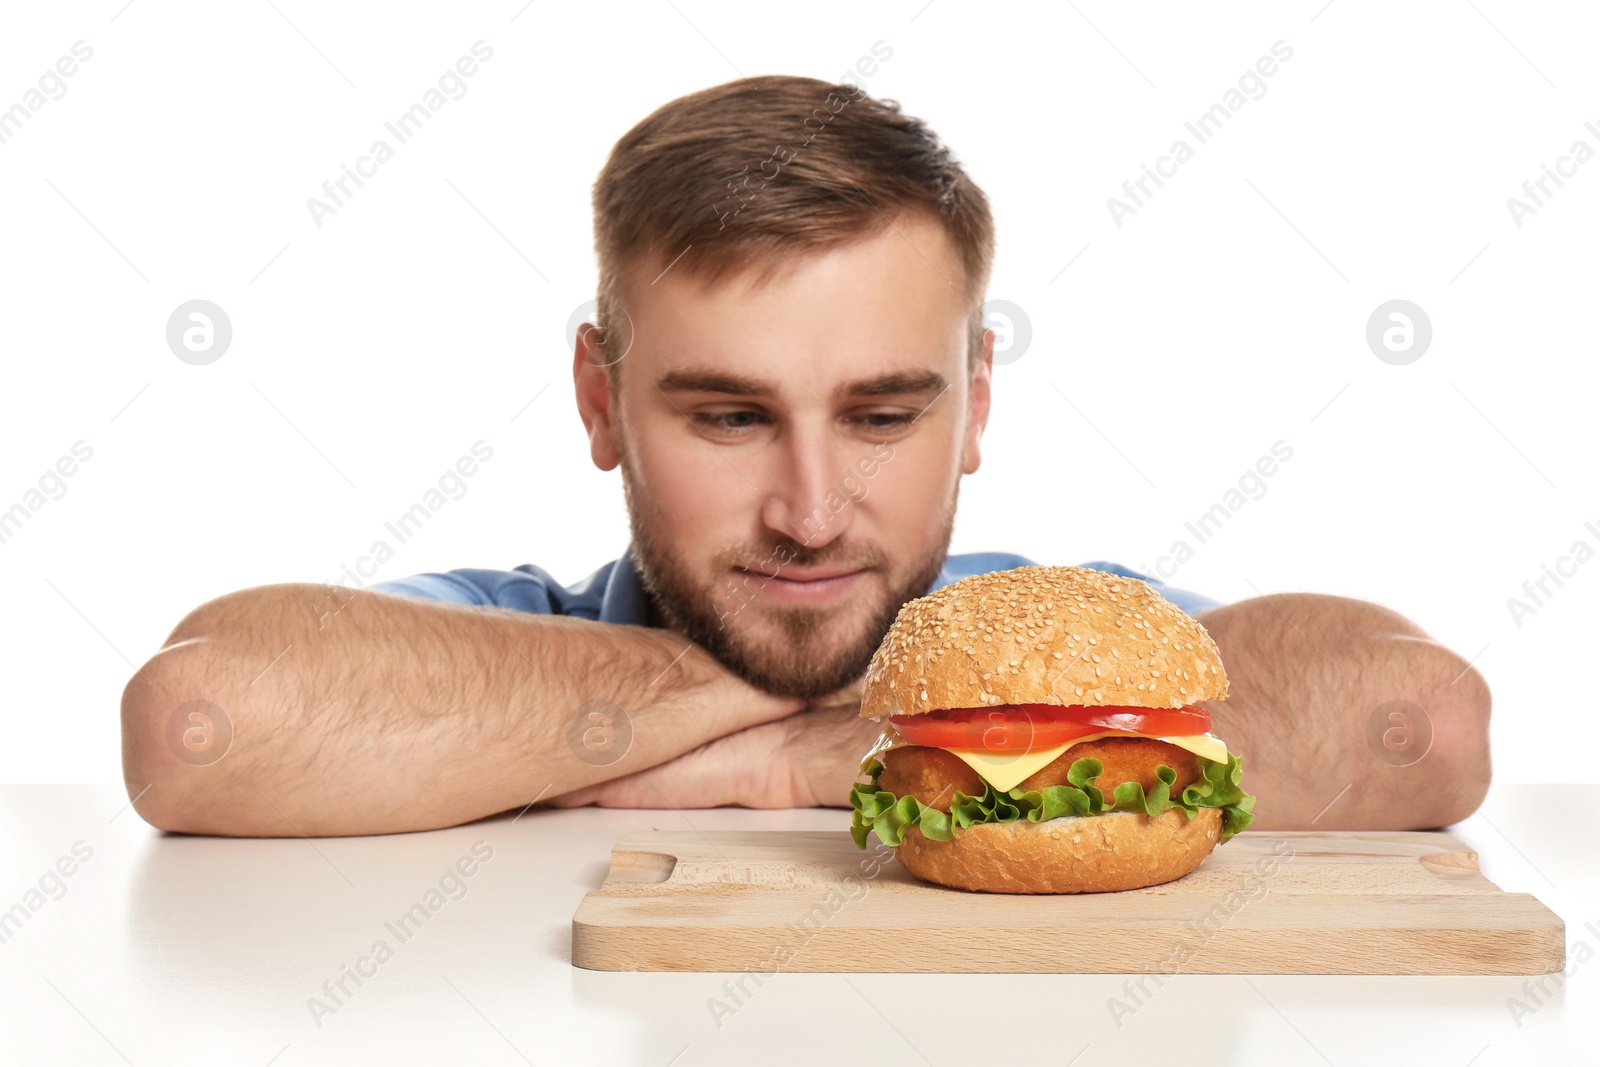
column 1227, row 314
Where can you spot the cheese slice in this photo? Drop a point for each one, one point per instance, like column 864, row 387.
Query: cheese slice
column 1005, row 770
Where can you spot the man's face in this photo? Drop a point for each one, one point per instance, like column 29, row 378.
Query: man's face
column 791, row 451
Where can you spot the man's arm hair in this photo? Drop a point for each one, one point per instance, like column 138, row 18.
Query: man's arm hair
column 357, row 712
column 1315, row 685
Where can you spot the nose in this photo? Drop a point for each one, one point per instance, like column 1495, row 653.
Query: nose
column 803, row 499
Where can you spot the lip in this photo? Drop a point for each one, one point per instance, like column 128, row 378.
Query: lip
column 809, row 587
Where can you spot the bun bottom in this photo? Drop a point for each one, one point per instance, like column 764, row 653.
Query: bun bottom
column 1077, row 854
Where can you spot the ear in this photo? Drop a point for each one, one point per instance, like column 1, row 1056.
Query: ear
column 978, row 405
column 596, row 403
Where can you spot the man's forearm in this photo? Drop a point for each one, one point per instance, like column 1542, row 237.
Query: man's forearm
column 1348, row 716
column 356, row 712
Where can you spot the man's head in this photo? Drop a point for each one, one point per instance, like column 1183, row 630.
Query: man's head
column 793, row 372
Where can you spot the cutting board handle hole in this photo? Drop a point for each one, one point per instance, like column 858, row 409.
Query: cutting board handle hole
column 641, row 866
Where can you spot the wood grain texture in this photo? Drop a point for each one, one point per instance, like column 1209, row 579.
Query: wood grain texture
column 765, row 901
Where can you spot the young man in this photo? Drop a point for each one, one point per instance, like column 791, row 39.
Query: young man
column 793, row 376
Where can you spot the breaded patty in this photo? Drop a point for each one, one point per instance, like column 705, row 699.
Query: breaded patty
column 932, row 775
column 1125, row 759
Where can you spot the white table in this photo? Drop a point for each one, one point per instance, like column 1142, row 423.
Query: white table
column 164, row 949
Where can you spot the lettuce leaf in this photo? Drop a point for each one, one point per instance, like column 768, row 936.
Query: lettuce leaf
column 881, row 812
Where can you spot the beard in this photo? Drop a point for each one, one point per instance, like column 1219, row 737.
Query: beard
column 788, row 651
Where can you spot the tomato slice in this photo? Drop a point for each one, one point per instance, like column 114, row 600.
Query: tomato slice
column 1020, row 727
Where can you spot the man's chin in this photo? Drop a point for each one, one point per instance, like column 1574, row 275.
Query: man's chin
column 800, row 652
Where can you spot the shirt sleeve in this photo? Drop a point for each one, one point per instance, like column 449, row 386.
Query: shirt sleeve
column 1190, row 603
column 528, row 588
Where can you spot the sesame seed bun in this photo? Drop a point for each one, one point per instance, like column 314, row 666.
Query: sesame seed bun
column 1041, row 635
column 1079, row 854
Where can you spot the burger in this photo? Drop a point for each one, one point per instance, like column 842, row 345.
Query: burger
column 1045, row 735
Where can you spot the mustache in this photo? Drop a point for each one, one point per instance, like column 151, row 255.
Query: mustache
column 769, row 558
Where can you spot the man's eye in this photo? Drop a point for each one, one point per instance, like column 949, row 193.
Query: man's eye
column 887, row 420
column 727, row 421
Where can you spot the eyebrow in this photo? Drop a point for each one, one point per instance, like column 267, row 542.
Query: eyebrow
column 896, row 383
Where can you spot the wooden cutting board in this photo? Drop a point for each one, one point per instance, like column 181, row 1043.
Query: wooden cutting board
column 1264, row 903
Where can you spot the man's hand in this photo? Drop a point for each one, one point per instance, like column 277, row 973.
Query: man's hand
column 807, row 760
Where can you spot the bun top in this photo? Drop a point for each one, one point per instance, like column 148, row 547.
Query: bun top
column 1041, row 635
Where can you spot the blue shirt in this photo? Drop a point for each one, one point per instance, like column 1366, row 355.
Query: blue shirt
column 614, row 593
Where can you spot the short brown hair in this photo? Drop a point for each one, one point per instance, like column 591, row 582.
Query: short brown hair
column 744, row 175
